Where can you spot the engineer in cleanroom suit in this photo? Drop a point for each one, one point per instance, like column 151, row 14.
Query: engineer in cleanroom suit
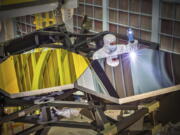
column 111, row 50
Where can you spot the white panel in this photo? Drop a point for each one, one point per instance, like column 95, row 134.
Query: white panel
column 28, row 10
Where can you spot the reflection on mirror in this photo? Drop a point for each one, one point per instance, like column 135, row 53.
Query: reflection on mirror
column 42, row 68
column 137, row 72
column 111, row 49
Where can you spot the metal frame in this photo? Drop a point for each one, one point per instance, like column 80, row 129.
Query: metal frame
column 57, row 33
column 96, row 107
column 63, row 96
column 105, row 15
column 155, row 21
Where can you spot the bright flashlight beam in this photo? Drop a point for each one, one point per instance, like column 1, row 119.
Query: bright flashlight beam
column 133, row 55
column 130, row 32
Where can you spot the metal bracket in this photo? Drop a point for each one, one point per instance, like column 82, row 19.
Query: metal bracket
column 44, row 100
column 153, row 106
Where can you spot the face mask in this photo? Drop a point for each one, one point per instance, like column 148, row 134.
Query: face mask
column 110, row 48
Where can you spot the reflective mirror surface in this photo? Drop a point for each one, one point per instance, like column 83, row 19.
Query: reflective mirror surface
column 134, row 73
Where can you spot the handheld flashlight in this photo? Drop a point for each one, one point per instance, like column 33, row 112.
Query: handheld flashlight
column 130, row 35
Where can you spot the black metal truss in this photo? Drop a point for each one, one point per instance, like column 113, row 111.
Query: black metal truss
column 96, row 110
column 95, row 105
column 58, row 34
column 104, row 78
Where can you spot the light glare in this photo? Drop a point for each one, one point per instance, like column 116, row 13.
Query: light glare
column 130, row 32
column 132, row 55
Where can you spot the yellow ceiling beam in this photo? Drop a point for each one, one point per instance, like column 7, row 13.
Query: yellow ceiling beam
column 11, row 2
